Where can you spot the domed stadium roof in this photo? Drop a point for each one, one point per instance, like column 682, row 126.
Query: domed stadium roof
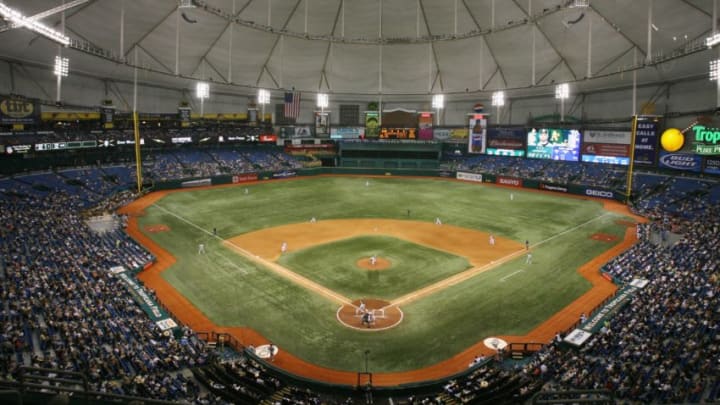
column 393, row 47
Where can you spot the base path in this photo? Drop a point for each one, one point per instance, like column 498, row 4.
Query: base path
column 186, row 313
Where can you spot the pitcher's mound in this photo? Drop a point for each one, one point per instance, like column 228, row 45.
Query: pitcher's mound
column 380, row 263
column 384, row 316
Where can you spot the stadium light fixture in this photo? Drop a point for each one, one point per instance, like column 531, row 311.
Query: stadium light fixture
column 62, row 66
column 712, row 40
column 498, row 100
column 263, row 97
column 562, row 92
column 16, row 18
column 323, row 101
column 438, row 102
column 202, row 91
column 714, row 70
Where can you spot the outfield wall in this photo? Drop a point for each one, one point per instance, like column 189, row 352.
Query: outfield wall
column 572, row 189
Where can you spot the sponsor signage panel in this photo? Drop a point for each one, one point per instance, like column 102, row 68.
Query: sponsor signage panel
column 268, row 138
column 611, row 160
column 505, row 152
column 18, row 111
column 508, row 181
column 613, row 137
column 425, row 126
column 347, row 132
column 712, row 166
column 469, row 176
column 646, row 141
column 593, row 192
column 505, row 138
column 681, row 161
column 706, row 140
column 478, row 133
column 244, row 178
column 606, row 149
column 398, row 133
column 552, row 187
column 284, row 174
column 577, row 337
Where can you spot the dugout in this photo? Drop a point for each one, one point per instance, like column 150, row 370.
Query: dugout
column 390, row 154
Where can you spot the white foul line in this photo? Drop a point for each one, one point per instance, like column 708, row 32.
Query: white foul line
column 510, row 275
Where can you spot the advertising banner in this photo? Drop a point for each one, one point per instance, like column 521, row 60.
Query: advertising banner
column 712, row 165
column 469, row 176
column 296, row 131
column 398, row 133
column 425, row 126
column 244, row 178
column 347, row 132
column 143, row 298
column 706, row 141
column 594, row 192
column 184, row 116
column 681, row 161
column 506, row 138
column 322, row 124
column 606, row 149
column 553, row 187
column 442, row 134
column 508, row 181
column 646, row 141
column 478, row 133
column 372, row 124
column 18, row 111
column 614, row 137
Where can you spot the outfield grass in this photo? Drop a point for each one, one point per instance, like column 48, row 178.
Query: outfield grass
column 511, row 299
column 333, row 265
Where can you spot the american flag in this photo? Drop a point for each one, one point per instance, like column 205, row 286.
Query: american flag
column 292, row 104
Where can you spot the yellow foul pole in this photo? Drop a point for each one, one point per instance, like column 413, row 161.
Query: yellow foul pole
column 628, row 181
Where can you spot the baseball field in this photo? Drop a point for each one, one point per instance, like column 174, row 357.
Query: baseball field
column 437, row 289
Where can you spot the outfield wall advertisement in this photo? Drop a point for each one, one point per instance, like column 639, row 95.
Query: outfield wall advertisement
column 508, row 181
column 469, row 176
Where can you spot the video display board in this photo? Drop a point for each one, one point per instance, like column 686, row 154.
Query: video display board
column 555, row 144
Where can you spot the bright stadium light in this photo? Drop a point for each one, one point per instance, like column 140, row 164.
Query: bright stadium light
column 16, row 18
column 562, row 92
column 62, row 66
column 202, row 90
column 323, row 101
column 714, row 70
column 263, row 96
column 438, row 102
column 498, row 99
column 712, row 40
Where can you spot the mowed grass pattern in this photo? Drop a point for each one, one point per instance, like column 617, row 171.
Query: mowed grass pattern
column 510, row 299
column 334, row 265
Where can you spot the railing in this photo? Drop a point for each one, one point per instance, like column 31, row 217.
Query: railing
column 39, row 385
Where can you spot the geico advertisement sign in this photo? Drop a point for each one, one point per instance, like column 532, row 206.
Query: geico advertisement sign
column 599, row 193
